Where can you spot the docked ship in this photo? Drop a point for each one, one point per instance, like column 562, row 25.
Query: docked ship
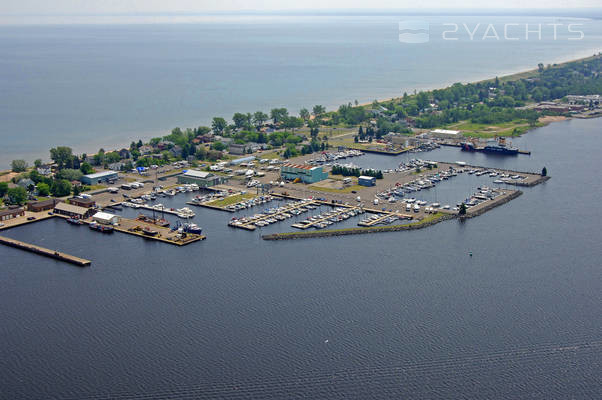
column 100, row 228
column 494, row 146
column 500, row 146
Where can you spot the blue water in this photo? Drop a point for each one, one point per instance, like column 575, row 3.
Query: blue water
column 103, row 85
column 392, row 315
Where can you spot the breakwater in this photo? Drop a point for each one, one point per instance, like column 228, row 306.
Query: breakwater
column 358, row 231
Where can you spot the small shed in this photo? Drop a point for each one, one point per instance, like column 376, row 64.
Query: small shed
column 105, row 218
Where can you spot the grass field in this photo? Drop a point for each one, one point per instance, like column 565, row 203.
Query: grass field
column 512, row 128
column 237, row 198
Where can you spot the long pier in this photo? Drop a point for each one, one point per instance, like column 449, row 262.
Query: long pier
column 45, row 252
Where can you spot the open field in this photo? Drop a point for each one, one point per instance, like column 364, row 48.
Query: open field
column 237, row 198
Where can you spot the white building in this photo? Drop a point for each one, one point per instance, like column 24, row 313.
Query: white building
column 444, row 133
column 105, row 218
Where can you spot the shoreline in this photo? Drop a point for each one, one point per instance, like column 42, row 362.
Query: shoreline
column 116, row 146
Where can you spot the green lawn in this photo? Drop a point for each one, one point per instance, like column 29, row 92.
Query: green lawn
column 512, row 128
column 237, row 198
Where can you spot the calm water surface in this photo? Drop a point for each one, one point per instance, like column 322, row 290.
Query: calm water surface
column 393, row 315
column 92, row 86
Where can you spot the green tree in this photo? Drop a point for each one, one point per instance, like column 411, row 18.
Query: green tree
column 43, row 189
column 259, row 118
column 19, row 165
column 544, row 171
column 61, row 155
column 318, row 110
column 86, row 168
column 69, row 174
column 37, row 163
column 60, row 188
column 77, row 190
column 3, row 189
column 218, row 125
column 278, row 114
column 462, row 209
column 218, row 146
column 17, row 195
column 200, row 153
column 304, row 114
column 241, row 120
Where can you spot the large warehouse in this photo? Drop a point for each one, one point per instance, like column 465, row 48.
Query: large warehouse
column 306, row 173
column 99, row 177
column 202, row 178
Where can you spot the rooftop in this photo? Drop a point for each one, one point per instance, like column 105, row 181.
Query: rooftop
column 100, row 174
column 70, row 208
column 300, row 166
column 197, row 174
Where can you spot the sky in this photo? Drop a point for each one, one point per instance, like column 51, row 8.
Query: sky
column 99, row 7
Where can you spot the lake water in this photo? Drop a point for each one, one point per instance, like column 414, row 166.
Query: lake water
column 392, row 315
column 103, row 85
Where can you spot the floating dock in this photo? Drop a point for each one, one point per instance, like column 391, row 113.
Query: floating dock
column 333, row 214
column 57, row 255
column 250, row 225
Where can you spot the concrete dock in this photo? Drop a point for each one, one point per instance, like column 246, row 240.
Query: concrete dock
column 45, row 252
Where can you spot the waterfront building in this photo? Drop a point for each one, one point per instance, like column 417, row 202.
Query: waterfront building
column 70, row 210
column 202, row 178
column 38, row 206
column 99, row 177
column 366, row 181
column 11, row 213
column 105, row 218
column 305, row 173
column 82, row 202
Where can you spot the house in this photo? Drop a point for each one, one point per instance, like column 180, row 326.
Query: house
column 26, row 183
column 44, row 170
column 145, row 149
column 124, row 153
column 11, row 213
column 43, row 205
column 176, row 151
column 165, row 144
column 118, row 166
column 238, row 149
